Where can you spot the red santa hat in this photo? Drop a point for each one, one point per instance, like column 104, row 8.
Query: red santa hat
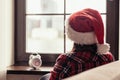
column 86, row 27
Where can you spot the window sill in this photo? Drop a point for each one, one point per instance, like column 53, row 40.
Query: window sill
column 28, row 70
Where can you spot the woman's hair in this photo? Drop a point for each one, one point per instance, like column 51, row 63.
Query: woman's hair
column 83, row 48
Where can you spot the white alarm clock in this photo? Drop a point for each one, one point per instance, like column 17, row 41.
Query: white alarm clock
column 35, row 61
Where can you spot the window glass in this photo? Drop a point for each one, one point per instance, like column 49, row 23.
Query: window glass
column 44, row 6
column 75, row 5
column 45, row 34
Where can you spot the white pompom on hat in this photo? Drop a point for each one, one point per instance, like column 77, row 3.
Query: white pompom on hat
column 86, row 27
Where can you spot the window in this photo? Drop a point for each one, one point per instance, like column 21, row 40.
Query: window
column 45, row 23
column 40, row 26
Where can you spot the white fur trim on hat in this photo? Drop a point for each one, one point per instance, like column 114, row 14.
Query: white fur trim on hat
column 82, row 38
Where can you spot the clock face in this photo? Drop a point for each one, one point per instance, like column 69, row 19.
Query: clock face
column 36, row 62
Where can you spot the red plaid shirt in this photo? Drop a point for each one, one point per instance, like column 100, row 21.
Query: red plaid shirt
column 73, row 63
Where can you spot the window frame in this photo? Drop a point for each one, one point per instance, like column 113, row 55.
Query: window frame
column 113, row 27
column 21, row 58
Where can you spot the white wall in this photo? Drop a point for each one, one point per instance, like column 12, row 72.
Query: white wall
column 6, row 35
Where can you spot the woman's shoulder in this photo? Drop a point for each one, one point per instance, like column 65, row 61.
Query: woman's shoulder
column 63, row 56
column 109, row 56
